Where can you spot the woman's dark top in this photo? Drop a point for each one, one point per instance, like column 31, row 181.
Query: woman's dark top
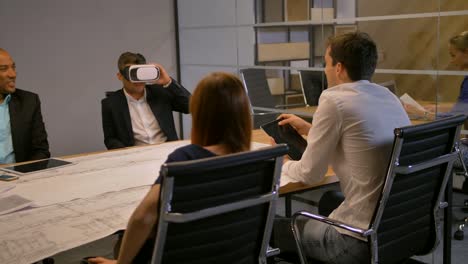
column 463, row 97
column 189, row 152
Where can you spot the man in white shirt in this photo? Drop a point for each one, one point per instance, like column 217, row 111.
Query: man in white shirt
column 352, row 130
column 141, row 114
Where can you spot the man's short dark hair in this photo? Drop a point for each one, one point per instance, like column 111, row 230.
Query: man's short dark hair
column 357, row 52
column 130, row 58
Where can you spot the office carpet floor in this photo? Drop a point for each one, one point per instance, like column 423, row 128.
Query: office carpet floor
column 104, row 247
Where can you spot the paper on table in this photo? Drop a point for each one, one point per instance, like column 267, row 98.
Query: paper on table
column 257, row 145
column 405, row 98
column 5, row 187
column 99, row 173
column 31, row 235
column 96, row 174
column 13, row 203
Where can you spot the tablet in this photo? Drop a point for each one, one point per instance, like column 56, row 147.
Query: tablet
column 286, row 134
column 36, row 166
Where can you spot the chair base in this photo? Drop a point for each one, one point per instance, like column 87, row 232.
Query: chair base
column 459, row 234
column 412, row 261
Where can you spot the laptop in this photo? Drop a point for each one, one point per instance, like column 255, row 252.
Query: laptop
column 312, row 84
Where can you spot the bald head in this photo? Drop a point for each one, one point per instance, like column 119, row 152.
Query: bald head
column 7, row 74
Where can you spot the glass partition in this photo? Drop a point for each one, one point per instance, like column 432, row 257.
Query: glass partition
column 412, row 42
column 286, row 37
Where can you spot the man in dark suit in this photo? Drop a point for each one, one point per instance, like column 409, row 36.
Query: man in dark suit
column 22, row 133
column 141, row 114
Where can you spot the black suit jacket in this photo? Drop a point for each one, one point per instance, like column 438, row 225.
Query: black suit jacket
column 116, row 121
column 27, row 127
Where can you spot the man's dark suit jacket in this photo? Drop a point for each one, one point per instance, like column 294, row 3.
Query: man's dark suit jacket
column 116, row 122
column 27, row 127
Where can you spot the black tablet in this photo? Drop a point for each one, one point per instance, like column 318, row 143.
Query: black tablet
column 286, row 134
column 36, row 166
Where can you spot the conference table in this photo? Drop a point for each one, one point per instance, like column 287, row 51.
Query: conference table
column 62, row 208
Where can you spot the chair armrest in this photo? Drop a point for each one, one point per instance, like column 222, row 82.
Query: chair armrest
column 272, row 252
column 264, row 113
column 288, row 105
column 329, row 221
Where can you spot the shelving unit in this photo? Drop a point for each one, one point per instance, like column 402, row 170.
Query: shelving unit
column 292, row 33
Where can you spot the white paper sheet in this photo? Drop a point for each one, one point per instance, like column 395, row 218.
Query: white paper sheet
column 407, row 99
column 98, row 173
column 5, row 187
column 95, row 174
column 13, row 203
column 29, row 236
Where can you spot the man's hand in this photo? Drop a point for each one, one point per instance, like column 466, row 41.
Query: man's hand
column 164, row 77
column 101, row 260
column 414, row 112
column 300, row 125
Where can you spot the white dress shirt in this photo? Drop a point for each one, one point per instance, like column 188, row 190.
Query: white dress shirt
column 146, row 129
column 352, row 130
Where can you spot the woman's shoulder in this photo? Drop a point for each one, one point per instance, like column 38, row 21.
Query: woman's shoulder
column 190, row 152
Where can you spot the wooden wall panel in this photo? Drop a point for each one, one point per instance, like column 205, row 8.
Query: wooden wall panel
column 297, row 10
column 273, row 11
column 283, row 51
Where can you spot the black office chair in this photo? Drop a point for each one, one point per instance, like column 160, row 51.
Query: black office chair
column 461, row 170
column 406, row 221
column 263, row 103
column 218, row 210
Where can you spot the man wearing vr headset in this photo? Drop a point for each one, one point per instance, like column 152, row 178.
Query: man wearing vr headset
column 141, row 112
column 22, row 132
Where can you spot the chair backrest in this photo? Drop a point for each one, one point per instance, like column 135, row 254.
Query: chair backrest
column 109, row 93
column 406, row 219
column 255, row 81
column 312, row 84
column 220, row 209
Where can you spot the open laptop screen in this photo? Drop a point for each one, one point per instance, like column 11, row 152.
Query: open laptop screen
column 312, row 83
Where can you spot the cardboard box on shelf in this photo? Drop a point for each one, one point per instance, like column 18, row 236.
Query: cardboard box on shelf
column 322, row 14
column 283, row 51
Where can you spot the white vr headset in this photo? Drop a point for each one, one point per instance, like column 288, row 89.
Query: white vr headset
column 142, row 73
